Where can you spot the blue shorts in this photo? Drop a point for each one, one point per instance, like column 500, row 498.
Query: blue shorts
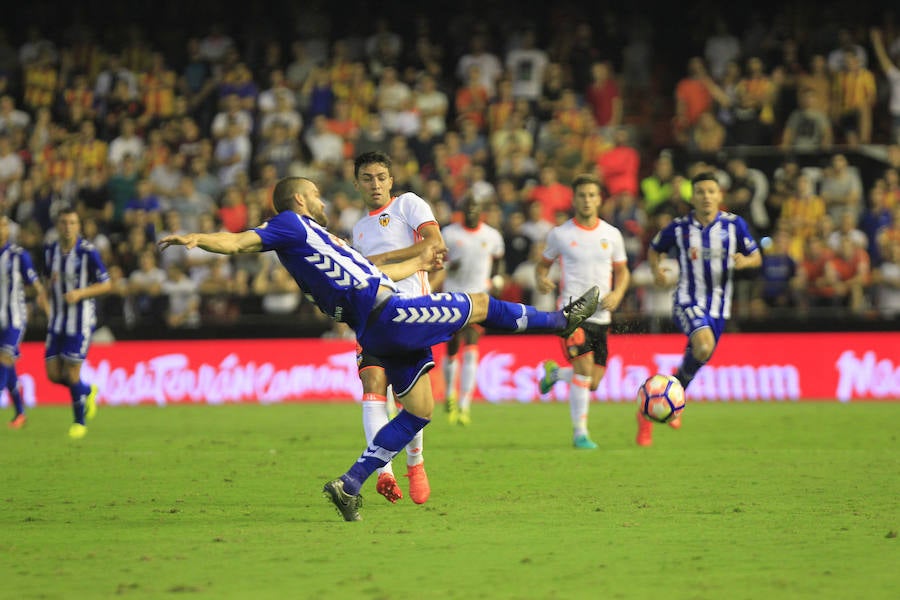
column 10, row 340
column 401, row 331
column 69, row 347
column 690, row 318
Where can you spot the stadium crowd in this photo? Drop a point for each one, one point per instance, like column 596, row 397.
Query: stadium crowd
column 145, row 139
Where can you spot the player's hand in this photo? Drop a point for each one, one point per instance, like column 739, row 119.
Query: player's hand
column 188, row 241
column 545, row 285
column 72, row 296
column 610, row 301
column 741, row 261
column 660, row 279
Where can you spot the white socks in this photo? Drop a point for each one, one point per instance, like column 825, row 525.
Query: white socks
column 579, row 400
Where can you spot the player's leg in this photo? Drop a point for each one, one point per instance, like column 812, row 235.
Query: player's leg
column 413, row 387
column 375, row 416
column 7, row 364
column 451, row 375
column 469, row 376
column 580, row 399
column 699, row 350
column 522, row 318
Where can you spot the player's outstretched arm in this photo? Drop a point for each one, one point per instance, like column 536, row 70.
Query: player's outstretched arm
column 222, row 242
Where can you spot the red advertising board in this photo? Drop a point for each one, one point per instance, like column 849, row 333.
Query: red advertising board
column 746, row 367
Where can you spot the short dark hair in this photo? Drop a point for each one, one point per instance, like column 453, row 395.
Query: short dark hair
column 68, row 210
column 585, row 179
column 704, row 176
column 284, row 192
column 375, row 157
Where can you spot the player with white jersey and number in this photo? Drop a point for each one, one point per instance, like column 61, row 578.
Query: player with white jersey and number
column 474, row 253
column 591, row 252
column 391, row 232
column 710, row 245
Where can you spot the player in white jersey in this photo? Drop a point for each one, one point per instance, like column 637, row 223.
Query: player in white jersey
column 392, row 231
column 590, row 252
column 16, row 271
column 710, row 245
column 474, row 253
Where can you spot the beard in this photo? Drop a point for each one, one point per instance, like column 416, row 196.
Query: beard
column 319, row 217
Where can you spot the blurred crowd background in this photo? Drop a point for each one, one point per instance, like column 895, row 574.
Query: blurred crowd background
column 165, row 117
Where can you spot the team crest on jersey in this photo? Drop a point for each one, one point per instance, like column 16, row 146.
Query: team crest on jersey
column 384, row 220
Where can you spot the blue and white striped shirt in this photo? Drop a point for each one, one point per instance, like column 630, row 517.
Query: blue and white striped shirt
column 341, row 281
column 76, row 269
column 16, row 270
column 706, row 258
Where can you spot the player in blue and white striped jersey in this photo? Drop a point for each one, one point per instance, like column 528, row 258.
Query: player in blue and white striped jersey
column 16, row 271
column 76, row 275
column 710, row 245
column 398, row 329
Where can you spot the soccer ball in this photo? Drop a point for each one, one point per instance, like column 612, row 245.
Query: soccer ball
column 661, row 398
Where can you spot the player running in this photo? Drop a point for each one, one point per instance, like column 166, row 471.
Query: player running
column 474, row 253
column 591, row 252
column 710, row 245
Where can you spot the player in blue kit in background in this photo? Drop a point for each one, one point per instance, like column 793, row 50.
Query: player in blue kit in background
column 399, row 330
column 16, row 271
column 710, row 245
column 76, row 276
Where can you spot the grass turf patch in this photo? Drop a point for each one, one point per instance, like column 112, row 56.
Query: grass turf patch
column 745, row 501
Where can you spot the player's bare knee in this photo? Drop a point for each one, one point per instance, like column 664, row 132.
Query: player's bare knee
column 479, row 308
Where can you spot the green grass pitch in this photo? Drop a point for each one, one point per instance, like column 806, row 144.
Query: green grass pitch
column 746, row 501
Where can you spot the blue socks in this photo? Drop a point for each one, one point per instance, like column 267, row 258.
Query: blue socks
column 510, row 316
column 79, row 392
column 10, row 379
column 389, row 440
column 688, row 369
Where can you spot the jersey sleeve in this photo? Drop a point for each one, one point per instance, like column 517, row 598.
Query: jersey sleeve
column 416, row 211
column 498, row 248
column 664, row 239
column 98, row 269
column 26, row 267
column 619, row 255
column 746, row 243
column 551, row 247
column 281, row 230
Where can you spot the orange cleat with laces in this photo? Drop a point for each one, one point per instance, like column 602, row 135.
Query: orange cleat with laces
column 387, row 487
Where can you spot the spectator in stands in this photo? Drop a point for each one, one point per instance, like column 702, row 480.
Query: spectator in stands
column 12, row 118
column 432, row 105
column 93, row 199
column 847, row 47
column 777, row 283
column 126, row 142
column 808, row 127
column 142, row 305
column 536, row 226
column 603, row 96
column 746, row 195
column 278, row 290
column 892, row 74
column 232, row 153
column 693, row 97
column 619, row 167
column 490, row 68
column 551, row 194
column 707, row 135
column 663, row 188
column 802, row 211
column 854, row 99
column 182, row 298
column 525, row 64
column 847, row 276
column 886, row 282
column 841, row 187
column 233, row 212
